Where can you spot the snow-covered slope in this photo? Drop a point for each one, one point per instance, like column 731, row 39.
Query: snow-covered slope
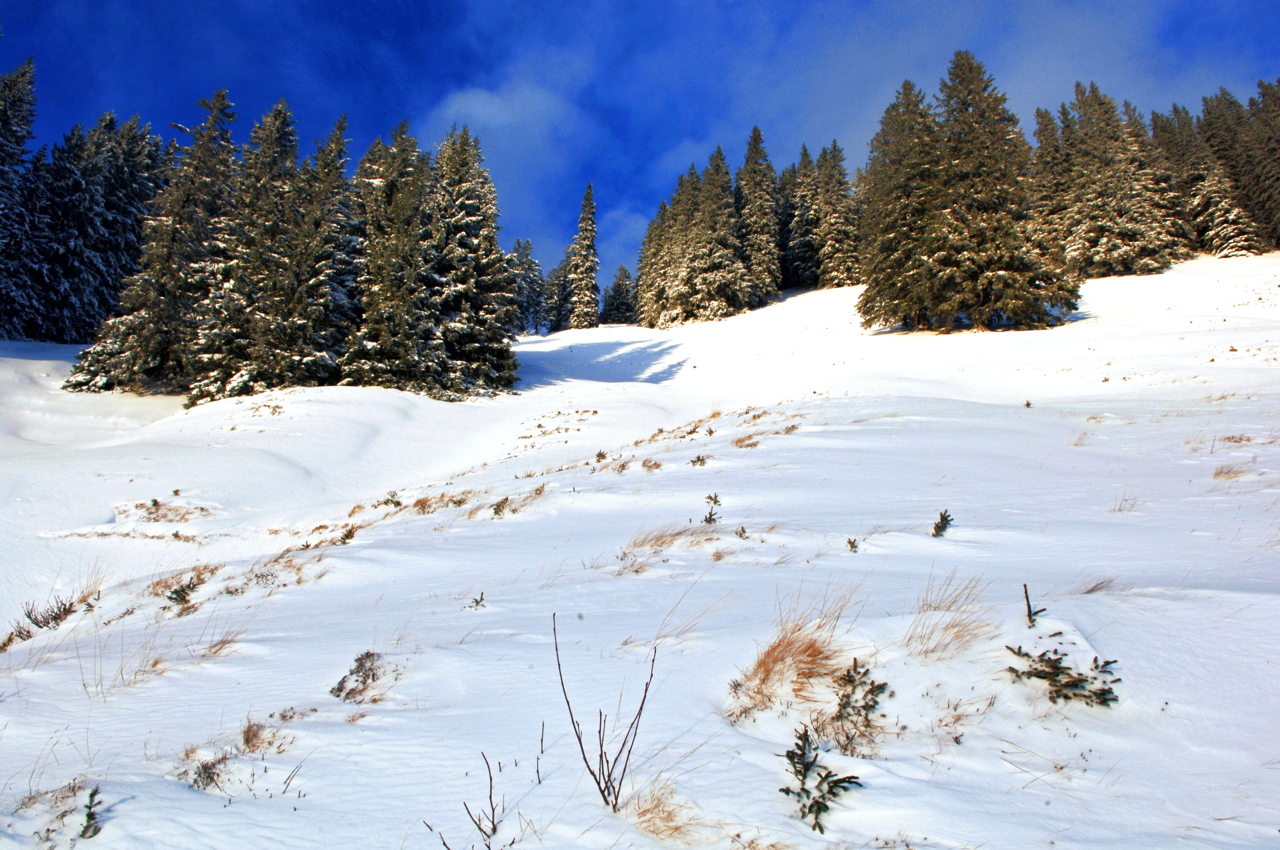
column 230, row 563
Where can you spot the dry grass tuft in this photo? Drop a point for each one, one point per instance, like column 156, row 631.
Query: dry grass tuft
column 747, row 441
column 801, row 657
column 431, row 504
column 657, row 812
column 948, row 618
column 670, row 535
column 1230, row 471
column 1236, row 439
column 223, row 643
column 651, row 465
column 158, row 511
column 1096, row 585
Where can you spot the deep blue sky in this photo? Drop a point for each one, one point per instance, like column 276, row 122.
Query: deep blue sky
column 626, row 94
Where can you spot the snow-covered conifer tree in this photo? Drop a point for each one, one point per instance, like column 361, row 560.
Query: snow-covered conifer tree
column 619, row 300
column 398, row 343
column 147, row 347
column 583, row 266
column 18, row 303
column 475, row 299
column 756, row 197
column 836, row 232
column 529, row 288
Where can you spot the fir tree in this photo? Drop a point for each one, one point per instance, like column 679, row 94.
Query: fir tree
column 756, row 198
column 64, row 270
column 398, row 343
column 619, row 300
column 1246, row 142
column 231, row 354
column 836, row 231
column 982, row 268
column 475, row 300
column 530, row 289
column 900, row 187
column 1049, row 191
column 1221, row 226
column 18, row 304
column 583, row 266
column 800, row 201
column 716, row 280
column 129, row 164
column 1126, row 216
column 183, row 258
column 557, row 296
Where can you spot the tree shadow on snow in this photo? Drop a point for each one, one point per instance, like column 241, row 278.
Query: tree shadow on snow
column 50, row 351
column 606, row 362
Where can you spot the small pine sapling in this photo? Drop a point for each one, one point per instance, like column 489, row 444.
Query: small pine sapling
column 853, row 544
column 940, row 527
column 700, row 460
column 1066, row 683
column 713, row 499
column 91, row 824
column 815, row 799
column 711, row 518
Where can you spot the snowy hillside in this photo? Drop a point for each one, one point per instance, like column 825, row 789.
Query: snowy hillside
column 699, row 494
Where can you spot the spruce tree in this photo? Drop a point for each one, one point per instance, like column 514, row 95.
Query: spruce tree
column 1246, row 142
column 129, row 164
column 583, row 266
column 900, row 188
column 18, row 303
column 836, row 232
column 184, row 257
column 398, row 343
column 649, row 291
column 475, row 295
column 983, row 270
column 800, row 201
column 1221, row 226
column 717, row 282
column 1049, row 192
column 530, row 288
column 557, row 296
column 620, row 300
column 759, row 208
column 64, row 270
column 231, row 354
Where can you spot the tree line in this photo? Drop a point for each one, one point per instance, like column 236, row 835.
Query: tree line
column 956, row 221
column 217, row 269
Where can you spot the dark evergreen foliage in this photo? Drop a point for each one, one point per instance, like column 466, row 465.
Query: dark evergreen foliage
column 899, row 188
column 398, row 343
column 147, row 347
column 620, row 300
column 18, row 304
column 557, row 296
column 474, row 300
column 583, row 266
column 836, row 232
column 530, row 289
column 758, row 206
column 799, row 185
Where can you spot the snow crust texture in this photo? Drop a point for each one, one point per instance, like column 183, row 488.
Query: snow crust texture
column 307, row 618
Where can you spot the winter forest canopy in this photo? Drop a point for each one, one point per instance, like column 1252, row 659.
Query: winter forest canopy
column 216, row 270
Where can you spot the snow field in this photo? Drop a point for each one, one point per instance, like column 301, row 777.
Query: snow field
column 338, row 521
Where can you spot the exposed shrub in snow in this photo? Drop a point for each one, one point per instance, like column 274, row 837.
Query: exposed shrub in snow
column 1092, row 687
column 819, row 786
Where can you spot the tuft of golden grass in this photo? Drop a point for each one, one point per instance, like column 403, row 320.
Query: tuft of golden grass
column 949, row 618
column 195, row 577
column 223, row 643
column 747, row 441
column 651, row 465
column 657, row 811
column 669, row 535
column 1230, row 471
column 1096, row 585
column 797, row 662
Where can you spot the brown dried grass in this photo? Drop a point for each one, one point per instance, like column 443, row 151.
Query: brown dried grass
column 1230, row 471
column 949, row 618
column 797, row 662
column 657, row 811
column 671, row 535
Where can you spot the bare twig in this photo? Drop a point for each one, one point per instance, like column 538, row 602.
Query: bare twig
column 608, row 772
column 1031, row 615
